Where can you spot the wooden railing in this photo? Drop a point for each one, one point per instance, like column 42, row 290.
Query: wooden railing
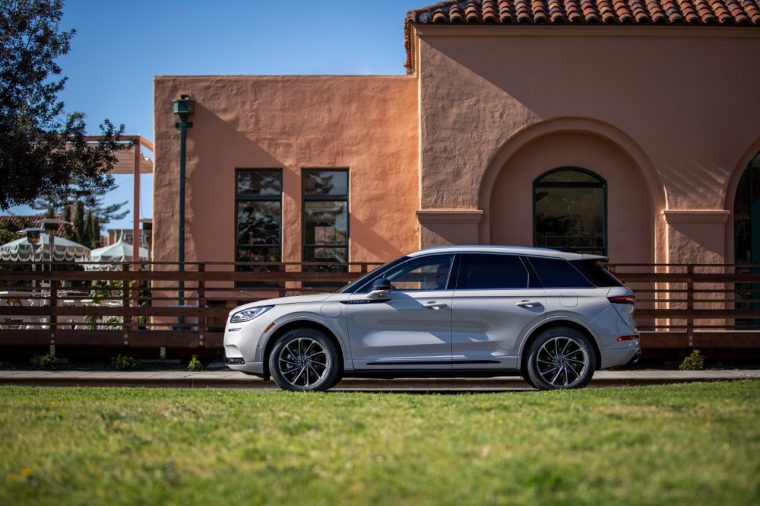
column 153, row 305
column 695, row 305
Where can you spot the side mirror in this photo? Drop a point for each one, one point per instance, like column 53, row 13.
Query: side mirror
column 380, row 288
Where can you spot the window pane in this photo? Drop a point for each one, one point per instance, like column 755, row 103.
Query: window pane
column 258, row 254
column 747, row 192
column 596, row 273
column 257, row 183
column 322, row 254
column 326, row 223
column 570, row 218
column 570, row 176
column 556, row 273
column 427, row 273
column 325, row 182
column 492, row 271
column 258, row 222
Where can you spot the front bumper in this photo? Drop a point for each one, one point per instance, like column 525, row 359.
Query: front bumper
column 256, row 368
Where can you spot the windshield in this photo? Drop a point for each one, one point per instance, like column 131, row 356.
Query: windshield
column 354, row 285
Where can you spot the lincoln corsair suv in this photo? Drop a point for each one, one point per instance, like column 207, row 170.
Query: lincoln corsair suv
column 550, row 316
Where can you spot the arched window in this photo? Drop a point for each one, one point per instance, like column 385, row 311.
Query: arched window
column 747, row 215
column 570, row 211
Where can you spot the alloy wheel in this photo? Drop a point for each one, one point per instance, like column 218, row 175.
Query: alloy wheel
column 562, row 362
column 303, row 362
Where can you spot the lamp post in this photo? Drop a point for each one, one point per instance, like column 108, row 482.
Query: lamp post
column 183, row 108
column 50, row 226
column 33, row 236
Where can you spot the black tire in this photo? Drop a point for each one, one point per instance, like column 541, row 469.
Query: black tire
column 526, row 377
column 560, row 358
column 305, row 360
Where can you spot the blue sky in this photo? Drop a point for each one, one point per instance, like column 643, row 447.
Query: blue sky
column 120, row 46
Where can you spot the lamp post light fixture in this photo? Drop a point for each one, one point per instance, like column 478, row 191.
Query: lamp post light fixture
column 33, row 236
column 50, row 226
column 183, row 107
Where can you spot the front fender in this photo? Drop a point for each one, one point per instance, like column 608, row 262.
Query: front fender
column 291, row 320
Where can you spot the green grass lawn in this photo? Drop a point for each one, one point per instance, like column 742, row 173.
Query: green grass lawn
column 676, row 444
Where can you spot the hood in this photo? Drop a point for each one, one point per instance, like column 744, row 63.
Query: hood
column 298, row 299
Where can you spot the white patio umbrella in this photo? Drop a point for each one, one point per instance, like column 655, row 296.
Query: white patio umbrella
column 111, row 255
column 64, row 250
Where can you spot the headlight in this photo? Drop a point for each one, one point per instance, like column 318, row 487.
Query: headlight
column 249, row 314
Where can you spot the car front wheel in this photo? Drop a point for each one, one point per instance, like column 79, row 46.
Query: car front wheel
column 560, row 358
column 304, row 360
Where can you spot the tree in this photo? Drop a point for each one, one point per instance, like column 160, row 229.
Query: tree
column 43, row 151
column 87, row 237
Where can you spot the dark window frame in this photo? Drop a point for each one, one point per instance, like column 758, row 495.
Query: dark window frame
column 257, row 198
column 326, row 198
column 600, row 183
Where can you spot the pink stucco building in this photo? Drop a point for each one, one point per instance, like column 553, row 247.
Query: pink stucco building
column 628, row 127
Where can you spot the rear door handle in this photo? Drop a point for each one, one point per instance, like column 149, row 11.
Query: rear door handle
column 435, row 305
column 528, row 303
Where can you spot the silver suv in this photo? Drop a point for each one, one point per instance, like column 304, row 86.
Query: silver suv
column 552, row 317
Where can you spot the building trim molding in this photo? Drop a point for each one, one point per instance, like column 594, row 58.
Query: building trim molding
column 449, row 215
column 696, row 216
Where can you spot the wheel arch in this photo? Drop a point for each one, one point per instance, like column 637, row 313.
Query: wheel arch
column 297, row 324
column 559, row 323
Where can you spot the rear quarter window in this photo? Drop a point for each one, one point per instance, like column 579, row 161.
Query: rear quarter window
column 596, row 273
column 558, row 273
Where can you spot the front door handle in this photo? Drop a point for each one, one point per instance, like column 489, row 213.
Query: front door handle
column 528, row 303
column 435, row 305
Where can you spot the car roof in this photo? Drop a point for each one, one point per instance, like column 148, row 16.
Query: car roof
column 514, row 250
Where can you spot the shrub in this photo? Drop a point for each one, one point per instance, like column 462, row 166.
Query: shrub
column 125, row 363
column 44, row 362
column 195, row 365
column 693, row 362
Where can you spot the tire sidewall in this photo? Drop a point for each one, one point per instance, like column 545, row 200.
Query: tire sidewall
column 533, row 376
column 333, row 368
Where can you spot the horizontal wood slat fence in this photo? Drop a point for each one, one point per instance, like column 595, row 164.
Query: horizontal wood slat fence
column 154, row 305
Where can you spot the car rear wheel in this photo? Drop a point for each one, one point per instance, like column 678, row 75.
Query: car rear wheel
column 304, row 360
column 560, row 358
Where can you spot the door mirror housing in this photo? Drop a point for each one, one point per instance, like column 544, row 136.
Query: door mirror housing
column 380, row 288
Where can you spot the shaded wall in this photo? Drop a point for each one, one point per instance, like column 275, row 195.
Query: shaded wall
column 366, row 123
column 680, row 104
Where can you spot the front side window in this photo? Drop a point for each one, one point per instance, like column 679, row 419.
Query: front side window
column 325, row 216
column 570, row 211
column 425, row 273
column 488, row 271
column 258, row 220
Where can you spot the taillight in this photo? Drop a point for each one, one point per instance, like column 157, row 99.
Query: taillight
column 623, row 299
column 628, row 338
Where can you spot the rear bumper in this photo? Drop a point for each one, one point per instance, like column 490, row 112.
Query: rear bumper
column 627, row 353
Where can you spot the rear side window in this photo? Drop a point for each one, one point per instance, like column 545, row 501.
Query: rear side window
column 484, row 271
column 596, row 273
column 558, row 273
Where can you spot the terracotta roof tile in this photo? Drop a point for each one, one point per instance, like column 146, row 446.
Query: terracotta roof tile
column 607, row 12
column 573, row 9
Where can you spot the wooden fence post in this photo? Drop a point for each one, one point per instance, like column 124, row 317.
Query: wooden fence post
column 202, row 316
column 690, row 304
column 52, row 317
column 126, row 320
